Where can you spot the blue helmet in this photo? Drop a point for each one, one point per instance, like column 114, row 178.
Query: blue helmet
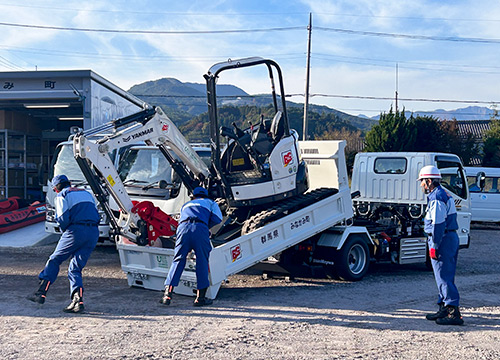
column 59, row 179
column 200, row 192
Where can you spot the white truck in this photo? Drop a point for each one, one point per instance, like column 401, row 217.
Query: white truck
column 391, row 203
column 63, row 162
column 145, row 172
column 484, row 188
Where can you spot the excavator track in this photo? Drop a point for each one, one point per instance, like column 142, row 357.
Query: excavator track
column 285, row 208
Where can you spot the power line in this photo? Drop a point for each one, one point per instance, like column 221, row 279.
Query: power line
column 157, row 32
column 328, row 96
column 392, row 62
column 234, row 31
column 409, row 17
column 457, row 70
column 9, row 64
column 432, row 112
column 319, row 56
column 236, row 97
column 409, row 36
column 232, row 13
column 135, row 57
column 406, row 99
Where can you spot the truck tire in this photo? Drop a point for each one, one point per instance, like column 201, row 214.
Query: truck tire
column 353, row 259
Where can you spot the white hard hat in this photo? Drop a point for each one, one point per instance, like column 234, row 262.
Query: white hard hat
column 429, row 172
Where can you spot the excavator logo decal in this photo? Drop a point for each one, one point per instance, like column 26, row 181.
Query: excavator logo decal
column 164, row 127
column 142, row 133
column 236, row 252
column 136, row 135
column 287, row 158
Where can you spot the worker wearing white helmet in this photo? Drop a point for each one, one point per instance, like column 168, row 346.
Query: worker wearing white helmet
column 440, row 223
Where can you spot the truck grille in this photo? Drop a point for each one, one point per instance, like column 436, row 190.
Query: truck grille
column 412, row 250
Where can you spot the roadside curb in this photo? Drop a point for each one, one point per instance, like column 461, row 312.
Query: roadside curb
column 47, row 240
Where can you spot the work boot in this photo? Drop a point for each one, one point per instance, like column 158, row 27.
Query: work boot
column 76, row 304
column 167, row 295
column 201, row 299
column 39, row 295
column 442, row 312
column 452, row 317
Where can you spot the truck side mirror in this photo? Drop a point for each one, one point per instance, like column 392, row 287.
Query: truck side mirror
column 480, row 180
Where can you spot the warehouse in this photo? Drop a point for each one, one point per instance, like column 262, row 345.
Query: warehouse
column 39, row 109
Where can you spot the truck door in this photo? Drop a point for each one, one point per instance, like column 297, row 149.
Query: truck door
column 455, row 182
column 485, row 199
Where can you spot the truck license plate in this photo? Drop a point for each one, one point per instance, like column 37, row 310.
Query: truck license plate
column 189, row 284
column 139, row 276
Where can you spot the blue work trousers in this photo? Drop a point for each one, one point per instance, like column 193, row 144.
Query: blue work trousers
column 444, row 269
column 77, row 243
column 191, row 236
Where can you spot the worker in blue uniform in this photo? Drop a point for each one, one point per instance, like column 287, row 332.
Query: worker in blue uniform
column 193, row 233
column 77, row 216
column 440, row 224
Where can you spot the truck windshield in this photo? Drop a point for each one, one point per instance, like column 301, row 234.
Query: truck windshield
column 453, row 177
column 64, row 163
column 139, row 167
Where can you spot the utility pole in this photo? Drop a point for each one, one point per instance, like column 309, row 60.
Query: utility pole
column 308, row 68
column 396, row 88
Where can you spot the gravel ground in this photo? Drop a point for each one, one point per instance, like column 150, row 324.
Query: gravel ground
column 381, row 317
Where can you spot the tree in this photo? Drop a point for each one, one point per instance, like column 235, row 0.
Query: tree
column 491, row 147
column 429, row 134
column 452, row 142
column 393, row 133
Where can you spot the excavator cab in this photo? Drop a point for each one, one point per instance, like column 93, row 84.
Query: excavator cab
column 259, row 164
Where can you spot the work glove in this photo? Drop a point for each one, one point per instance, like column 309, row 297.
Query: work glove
column 433, row 253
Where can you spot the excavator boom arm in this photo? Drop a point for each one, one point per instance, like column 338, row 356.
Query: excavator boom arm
column 152, row 127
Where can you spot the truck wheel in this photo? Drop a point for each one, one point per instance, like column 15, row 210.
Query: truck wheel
column 353, row 260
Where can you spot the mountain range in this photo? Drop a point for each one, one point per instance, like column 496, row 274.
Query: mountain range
column 467, row 113
column 183, row 101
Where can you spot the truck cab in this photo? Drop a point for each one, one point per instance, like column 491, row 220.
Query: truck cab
column 484, row 188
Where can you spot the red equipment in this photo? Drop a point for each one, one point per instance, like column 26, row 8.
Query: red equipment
column 11, row 204
column 158, row 223
column 19, row 218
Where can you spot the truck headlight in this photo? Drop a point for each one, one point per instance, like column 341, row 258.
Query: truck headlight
column 50, row 213
column 103, row 219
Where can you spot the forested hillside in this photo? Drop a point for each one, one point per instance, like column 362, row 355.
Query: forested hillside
column 197, row 129
column 185, row 104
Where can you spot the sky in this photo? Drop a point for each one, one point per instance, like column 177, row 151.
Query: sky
column 434, row 54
